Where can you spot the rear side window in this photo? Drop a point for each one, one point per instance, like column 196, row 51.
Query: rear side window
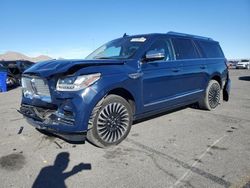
column 210, row 49
column 184, row 49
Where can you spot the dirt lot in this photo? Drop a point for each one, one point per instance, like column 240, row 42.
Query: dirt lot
column 185, row 148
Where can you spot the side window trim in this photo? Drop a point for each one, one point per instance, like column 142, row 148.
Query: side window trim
column 197, row 50
column 173, row 50
column 170, row 48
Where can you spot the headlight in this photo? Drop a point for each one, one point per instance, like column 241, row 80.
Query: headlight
column 76, row 83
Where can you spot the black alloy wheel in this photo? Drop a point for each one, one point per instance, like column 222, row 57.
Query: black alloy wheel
column 212, row 96
column 110, row 121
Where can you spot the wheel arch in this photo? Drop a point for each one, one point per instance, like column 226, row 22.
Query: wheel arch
column 217, row 77
column 225, row 94
column 126, row 94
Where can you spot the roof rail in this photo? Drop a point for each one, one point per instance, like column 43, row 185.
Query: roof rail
column 188, row 35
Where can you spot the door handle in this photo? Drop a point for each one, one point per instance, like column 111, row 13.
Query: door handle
column 203, row 66
column 176, row 70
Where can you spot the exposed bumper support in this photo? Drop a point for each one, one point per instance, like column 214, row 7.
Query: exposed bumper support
column 46, row 116
column 48, row 121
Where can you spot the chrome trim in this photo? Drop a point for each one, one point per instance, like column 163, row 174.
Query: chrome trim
column 135, row 75
column 173, row 98
column 35, row 87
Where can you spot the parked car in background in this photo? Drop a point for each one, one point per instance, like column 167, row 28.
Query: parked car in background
column 243, row 64
column 14, row 71
column 3, row 74
column 3, row 68
column 127, row 79
column 232, row 64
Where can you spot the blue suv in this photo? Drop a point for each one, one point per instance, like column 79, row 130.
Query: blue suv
column 127, row 79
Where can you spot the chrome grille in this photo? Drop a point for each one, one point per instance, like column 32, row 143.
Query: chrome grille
column 42, row 87
column 26, row 84
column 35, row 87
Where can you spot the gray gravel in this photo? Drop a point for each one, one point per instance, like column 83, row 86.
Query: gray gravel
column 185, row 148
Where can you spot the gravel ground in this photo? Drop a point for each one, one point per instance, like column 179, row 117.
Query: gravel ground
column 184, row 148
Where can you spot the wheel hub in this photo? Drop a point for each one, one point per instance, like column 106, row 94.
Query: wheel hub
column 113, row 121
column 214, row 95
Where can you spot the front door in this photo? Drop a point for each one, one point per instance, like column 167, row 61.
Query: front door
column 161, row 79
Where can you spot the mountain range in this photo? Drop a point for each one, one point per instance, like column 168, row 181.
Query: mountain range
column 10, row 55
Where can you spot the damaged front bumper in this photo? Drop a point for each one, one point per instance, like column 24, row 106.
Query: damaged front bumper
column 52, row 121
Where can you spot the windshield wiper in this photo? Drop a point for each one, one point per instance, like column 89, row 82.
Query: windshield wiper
column 103, row 58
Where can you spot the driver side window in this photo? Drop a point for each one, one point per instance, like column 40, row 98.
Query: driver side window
column 164, row 46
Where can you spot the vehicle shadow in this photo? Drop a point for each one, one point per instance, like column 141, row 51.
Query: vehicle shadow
column 12, row 88
column 162, row 114
column 245, row 78
column 54, row 175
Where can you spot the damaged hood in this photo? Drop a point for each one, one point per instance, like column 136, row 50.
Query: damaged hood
column 48, row 68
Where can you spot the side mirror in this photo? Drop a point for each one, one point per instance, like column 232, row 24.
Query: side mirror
column 155, row 55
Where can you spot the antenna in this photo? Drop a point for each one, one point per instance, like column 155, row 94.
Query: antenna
column 125, row 35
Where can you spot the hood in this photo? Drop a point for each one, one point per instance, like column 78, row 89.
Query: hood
column 48, row 68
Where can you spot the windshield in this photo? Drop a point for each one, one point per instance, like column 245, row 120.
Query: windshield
column 123, row 48
column 244, row 60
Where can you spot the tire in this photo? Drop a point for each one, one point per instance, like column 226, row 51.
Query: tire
column 110, row 121
column 212, row 96
column 11, row 81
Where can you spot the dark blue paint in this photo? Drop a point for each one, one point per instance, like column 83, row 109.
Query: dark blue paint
column 159, row 85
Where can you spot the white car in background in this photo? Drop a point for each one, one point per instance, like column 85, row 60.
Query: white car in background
column 243, row 64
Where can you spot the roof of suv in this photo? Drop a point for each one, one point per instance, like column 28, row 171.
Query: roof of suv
column 175, row 34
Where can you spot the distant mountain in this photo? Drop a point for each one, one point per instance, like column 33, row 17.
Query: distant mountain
column 18, row 56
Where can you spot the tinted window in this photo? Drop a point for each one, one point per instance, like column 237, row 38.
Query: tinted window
column 162, row 45
column 184, row 49
column 244, row 60
column 210, row 49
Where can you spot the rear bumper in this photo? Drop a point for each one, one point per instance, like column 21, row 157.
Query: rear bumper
column 226, row 90
column 51, row 122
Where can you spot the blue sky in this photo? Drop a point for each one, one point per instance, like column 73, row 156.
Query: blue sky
column 73, row 28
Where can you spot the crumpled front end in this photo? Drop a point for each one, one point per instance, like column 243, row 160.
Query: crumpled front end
column 59, row 96
column 61, row 113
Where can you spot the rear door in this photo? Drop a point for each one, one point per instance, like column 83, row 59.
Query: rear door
column 193, row 68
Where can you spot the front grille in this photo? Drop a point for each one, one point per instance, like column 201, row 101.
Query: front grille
column 36, row 87
column 42, row 87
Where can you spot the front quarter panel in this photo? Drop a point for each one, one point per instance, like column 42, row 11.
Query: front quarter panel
column 84, row 101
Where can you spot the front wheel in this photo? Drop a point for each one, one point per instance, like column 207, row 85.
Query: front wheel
column 212, row 96
column 110, row 121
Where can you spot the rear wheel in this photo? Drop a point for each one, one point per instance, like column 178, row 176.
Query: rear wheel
column 110, row 121
column 212, row 96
